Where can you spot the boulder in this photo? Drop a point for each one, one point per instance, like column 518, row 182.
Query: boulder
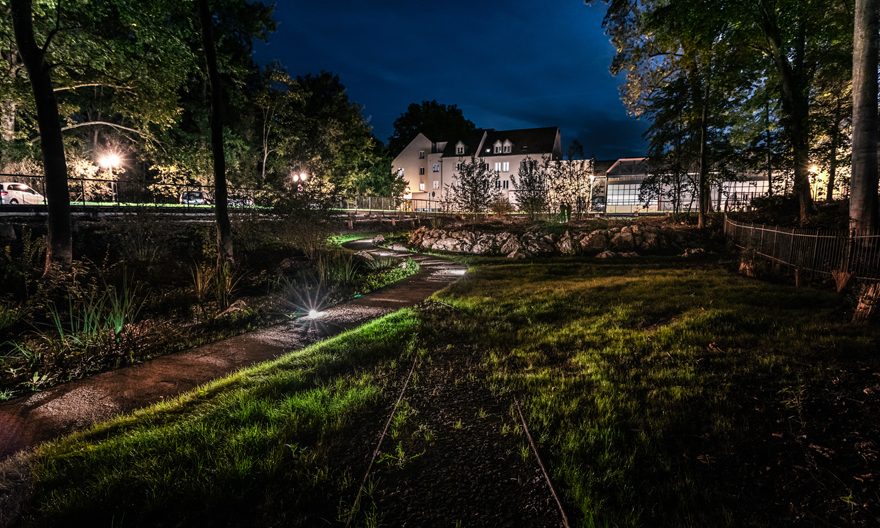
column 511, row 245
column 606, row 255
column 567, row 245
column 446, row 244
column 379, row 240
column 594, row 242
column 623, row 241
column 693, row 252
column 649, row 241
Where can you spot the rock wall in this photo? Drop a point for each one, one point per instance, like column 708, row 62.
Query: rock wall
column 626, row 241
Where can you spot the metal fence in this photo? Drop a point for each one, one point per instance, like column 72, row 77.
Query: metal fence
column 123, row 192
column 812, row 251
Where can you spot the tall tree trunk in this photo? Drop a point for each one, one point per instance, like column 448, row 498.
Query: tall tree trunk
column 863, row 195
column 794, row 77
column 835, row 144
column 704, row 189
column 769, row 147
column 221, row 205
column 59, row 249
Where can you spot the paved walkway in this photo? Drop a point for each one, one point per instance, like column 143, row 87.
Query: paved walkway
column 45, row 415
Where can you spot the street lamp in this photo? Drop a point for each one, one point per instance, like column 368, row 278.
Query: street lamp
column 298, row 179
column 110, row 160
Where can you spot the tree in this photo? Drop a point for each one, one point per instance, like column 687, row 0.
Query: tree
column 439, row 122
column 225, row 253
column 863, row 195
column 474, row 187
column 59, row 250
column 531, row 187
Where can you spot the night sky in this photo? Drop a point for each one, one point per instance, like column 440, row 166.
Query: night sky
column 512, row 64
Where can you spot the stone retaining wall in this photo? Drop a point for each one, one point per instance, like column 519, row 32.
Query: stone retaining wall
column 626, row 241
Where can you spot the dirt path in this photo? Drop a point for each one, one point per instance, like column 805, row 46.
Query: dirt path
column 43, row 416
column 454, row 455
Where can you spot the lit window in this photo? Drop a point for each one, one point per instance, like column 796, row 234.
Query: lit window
column 497, row 166
column 505, row 166
column 421, row 186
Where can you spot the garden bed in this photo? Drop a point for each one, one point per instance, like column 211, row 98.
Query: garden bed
column 660, row 392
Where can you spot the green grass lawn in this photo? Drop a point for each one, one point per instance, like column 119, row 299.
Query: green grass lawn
column 254, row 445
column 661, row 392
column 673, row 393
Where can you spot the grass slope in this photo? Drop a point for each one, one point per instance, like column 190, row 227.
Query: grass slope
column 250, row 446
column 662, row 393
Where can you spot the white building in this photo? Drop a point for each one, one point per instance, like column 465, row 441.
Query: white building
column 430, row 165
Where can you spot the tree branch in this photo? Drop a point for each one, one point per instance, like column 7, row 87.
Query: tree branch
column 104, row 123
column 91, row 85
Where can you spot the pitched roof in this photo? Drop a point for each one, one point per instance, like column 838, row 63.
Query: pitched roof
column 524, row 140
column 471, row 144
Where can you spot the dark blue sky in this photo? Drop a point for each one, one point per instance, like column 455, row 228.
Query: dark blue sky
column 512, row 64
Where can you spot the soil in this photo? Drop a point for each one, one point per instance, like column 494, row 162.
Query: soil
column 455, row 455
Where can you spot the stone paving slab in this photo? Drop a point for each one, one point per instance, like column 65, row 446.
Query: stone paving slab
column 75, row 405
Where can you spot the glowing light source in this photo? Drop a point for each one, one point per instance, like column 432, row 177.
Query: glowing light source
column 299, row 177
column 813, row 168
column 314, row 314
column 110, row 160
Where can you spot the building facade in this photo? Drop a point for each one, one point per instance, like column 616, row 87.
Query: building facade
column 624, row 178
column 430, row 166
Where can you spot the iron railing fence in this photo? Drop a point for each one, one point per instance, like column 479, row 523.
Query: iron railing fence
column 821, row 252
column 122, row 192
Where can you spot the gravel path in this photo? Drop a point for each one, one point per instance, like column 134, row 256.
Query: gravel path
column 45, row 415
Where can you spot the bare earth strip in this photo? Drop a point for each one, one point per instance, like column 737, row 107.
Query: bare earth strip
column 46, row 415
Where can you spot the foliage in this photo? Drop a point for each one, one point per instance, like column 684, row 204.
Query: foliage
column 439, row 122
column 711, row 67
column 532, row 187
column 474, row 187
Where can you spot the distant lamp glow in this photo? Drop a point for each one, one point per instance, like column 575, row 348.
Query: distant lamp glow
column 813, row 168
column 110, row 160
column 299, row 177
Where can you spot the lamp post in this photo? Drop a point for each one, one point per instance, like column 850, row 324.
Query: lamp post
column 110, row 161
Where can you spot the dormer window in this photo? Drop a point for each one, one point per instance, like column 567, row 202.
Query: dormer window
column 508, row 147
column 459, row 149
column 498, row 147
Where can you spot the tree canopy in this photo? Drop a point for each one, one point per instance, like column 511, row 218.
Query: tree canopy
column 437, row 121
